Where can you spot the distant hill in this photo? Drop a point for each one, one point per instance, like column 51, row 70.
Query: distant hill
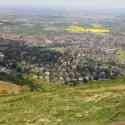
column 62, row 11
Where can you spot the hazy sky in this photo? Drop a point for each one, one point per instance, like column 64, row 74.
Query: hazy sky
column 98, row 4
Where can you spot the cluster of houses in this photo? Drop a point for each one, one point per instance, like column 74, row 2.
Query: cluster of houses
column 74, row 65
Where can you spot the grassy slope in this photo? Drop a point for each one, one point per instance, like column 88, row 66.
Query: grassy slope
column 100, row 103
column 10, row 88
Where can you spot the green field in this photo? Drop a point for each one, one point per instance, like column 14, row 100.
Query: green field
column 97, row 103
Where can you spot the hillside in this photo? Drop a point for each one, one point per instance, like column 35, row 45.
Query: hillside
column 97, row 103
column 10, row 88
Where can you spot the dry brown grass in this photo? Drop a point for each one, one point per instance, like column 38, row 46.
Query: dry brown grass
column 118, row 123
column 9, row 88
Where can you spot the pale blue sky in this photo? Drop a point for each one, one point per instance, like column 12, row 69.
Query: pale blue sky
column 98, row 4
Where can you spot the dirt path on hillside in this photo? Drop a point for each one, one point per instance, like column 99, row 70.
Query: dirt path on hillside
column 116, row 88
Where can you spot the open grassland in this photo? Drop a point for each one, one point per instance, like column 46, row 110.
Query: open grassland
column 121, row 56
column 97, row 103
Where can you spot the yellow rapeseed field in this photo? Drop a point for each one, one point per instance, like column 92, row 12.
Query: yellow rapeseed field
column 79, row 29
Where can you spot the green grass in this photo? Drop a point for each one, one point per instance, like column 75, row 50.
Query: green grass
column 121, row 56
column 97, row 103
